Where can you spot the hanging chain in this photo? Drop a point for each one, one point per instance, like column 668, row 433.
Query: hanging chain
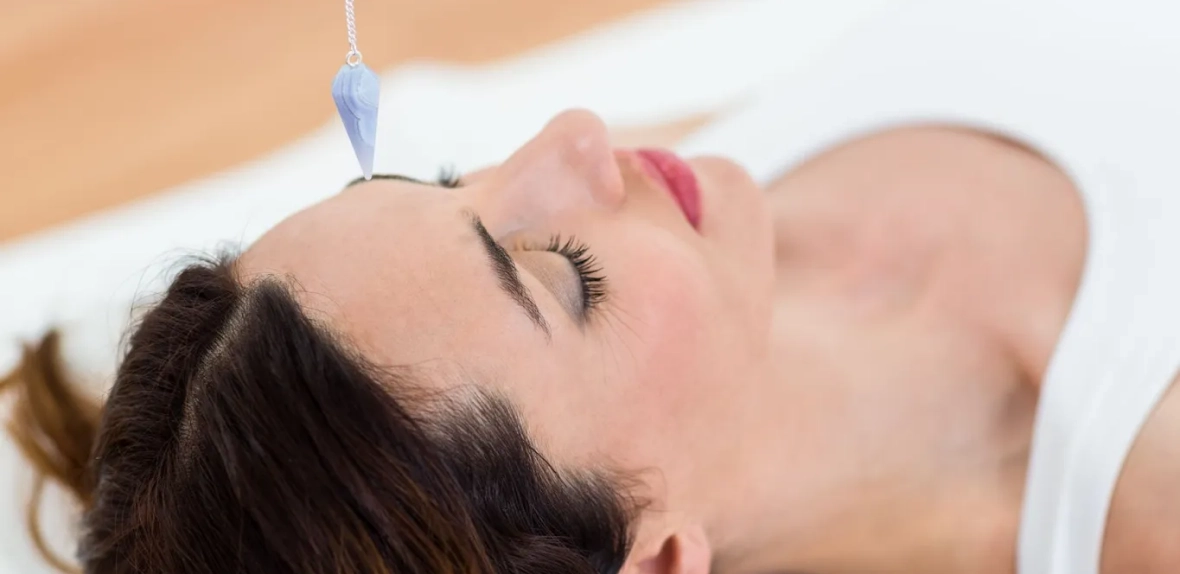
column 354, row 55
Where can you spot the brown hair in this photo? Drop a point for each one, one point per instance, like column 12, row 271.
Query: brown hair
column 241, row 436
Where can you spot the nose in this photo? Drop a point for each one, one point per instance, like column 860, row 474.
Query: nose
column 568, row 167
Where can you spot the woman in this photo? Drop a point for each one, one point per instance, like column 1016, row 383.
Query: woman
column 921, row 320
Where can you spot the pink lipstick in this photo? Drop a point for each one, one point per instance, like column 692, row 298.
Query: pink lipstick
column 677, row 177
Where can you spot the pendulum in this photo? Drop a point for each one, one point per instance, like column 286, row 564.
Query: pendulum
column 357, row 92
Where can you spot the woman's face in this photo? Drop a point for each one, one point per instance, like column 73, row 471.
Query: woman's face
column 627, row 334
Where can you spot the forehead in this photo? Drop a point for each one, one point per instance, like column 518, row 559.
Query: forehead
column 395, row 267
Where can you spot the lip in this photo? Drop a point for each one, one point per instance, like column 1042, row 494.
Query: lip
column 677, row 178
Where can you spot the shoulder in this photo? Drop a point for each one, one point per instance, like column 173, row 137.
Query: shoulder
column 1143, row 527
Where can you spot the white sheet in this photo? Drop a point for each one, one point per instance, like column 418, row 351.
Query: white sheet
column 659, row 65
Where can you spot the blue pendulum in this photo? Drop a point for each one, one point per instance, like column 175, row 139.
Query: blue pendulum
column 357, row 91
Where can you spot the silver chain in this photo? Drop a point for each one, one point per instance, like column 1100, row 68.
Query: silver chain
column 354, row 55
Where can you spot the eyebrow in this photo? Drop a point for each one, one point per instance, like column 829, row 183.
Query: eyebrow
column 506, row 272
column 502, row 263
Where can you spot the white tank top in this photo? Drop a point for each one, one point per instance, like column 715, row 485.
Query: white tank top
column 1095, row 88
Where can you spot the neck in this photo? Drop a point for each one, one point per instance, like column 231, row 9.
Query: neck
column 916, row 318
column 925, row 533
column 903, row 490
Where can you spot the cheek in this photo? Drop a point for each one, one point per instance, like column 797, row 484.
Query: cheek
column 662, row 314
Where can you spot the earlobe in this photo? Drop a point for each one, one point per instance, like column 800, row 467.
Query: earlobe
column 685, row 551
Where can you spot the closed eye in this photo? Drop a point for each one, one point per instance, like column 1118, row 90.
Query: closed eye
column 590, row 276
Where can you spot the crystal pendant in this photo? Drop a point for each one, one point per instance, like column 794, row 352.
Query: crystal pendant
column 357, row 91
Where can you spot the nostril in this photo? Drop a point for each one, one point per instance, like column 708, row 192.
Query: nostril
column 610, row 186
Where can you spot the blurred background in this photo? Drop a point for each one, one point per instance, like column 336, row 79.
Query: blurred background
column 105, row 101
column 136, row 132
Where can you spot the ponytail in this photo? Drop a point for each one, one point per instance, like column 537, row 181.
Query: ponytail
column 54, row 425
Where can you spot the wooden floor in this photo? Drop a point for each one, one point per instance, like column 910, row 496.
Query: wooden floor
column 104, row 101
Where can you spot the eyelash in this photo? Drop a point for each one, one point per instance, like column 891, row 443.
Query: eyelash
column 577, row 253
column 589, row 273
column 449, row 177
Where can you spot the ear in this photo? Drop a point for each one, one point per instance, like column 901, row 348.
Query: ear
column 685, row 551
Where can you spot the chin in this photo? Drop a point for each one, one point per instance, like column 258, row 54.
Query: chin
column 731, row 199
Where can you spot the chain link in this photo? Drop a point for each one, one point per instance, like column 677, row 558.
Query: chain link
column 354, row 55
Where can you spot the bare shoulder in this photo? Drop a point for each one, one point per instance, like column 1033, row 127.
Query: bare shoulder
column 1143, row 531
